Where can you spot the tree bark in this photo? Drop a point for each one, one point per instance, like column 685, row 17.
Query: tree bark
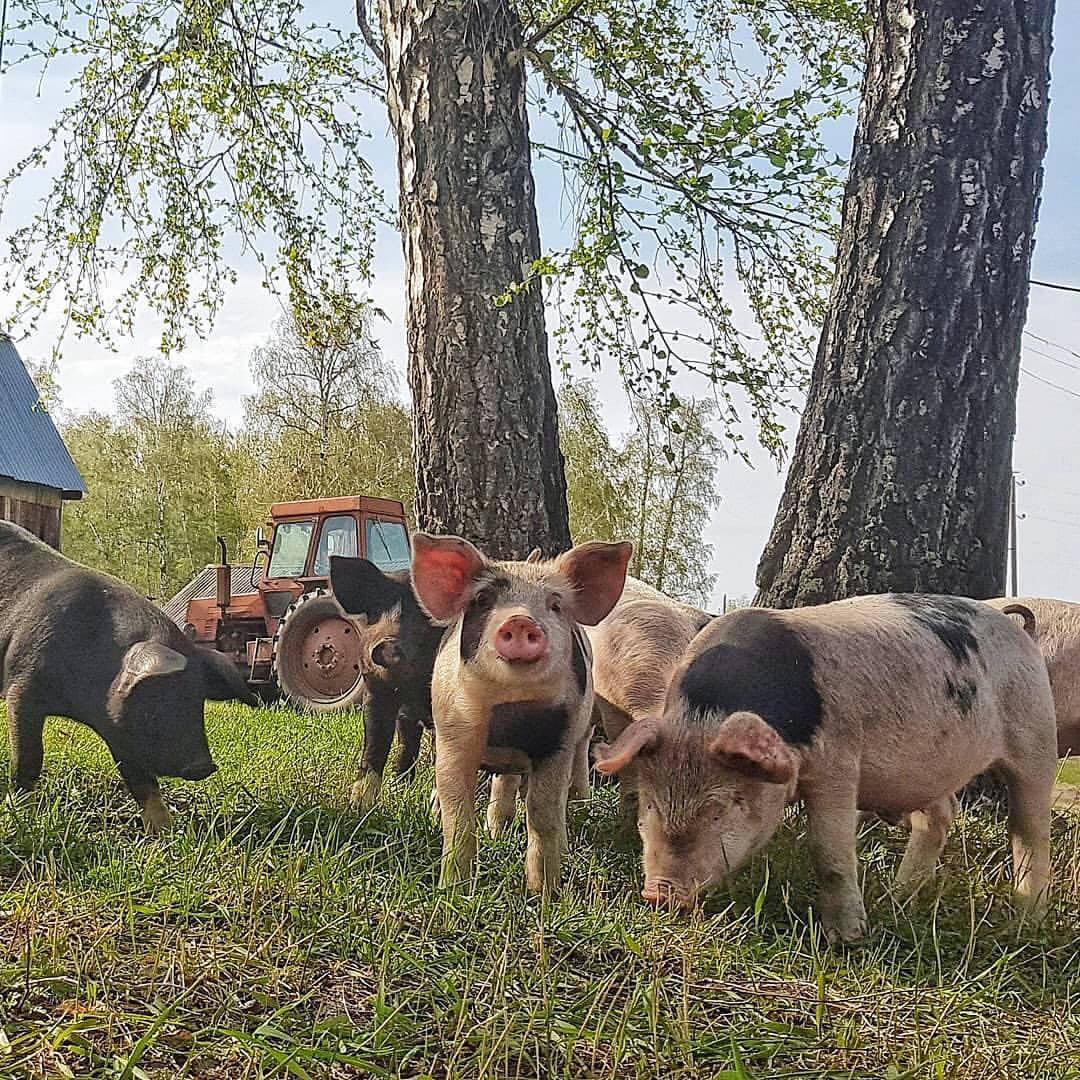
column 900, row 476
column 488, row 464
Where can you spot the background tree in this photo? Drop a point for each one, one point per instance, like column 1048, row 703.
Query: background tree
column 689, row 135
column 160, row 482
column 324, row 420
column 657, row 487
column 900, row 475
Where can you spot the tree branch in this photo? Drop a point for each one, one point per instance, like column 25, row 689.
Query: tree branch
column 549, row 28
column 367, row 32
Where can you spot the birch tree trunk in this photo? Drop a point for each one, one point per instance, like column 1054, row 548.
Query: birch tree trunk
column 900, row 475
column 488, row 464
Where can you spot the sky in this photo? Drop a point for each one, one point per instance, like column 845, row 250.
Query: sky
column 1047, row 446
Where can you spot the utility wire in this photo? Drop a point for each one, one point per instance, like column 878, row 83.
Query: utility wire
column 1054, row 285
column 1053, row 344
column 1056, row 386
column 1055, row 359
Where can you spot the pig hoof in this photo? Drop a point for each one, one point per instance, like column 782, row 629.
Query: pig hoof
column 365, row 792
column 498, row 823
column 846, row 931
column 156, row 817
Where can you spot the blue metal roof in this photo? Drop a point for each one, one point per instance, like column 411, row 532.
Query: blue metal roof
column 31, row 449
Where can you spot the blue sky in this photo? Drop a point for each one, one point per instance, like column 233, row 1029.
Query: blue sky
column 1048, row 435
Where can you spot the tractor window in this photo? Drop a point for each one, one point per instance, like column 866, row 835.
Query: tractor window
column 387, row 544
column 291, row 542
column 338, row 537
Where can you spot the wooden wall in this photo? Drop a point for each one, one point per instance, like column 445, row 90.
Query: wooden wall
column 38, row 509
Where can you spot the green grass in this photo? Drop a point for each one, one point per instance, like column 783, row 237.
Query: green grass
column 276, row 933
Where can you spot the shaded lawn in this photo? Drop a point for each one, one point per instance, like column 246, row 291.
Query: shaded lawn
column 276, row 933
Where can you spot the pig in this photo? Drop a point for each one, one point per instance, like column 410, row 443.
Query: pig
column 398, row 644
column 511, row 688
column 635, row 651
column 80, row 644
column 882, row 703
column 1057, row 633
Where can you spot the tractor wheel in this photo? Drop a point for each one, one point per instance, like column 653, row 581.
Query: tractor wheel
column 317, row 656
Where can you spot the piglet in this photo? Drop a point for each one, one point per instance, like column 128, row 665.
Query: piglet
column 636, row 649
column 398, row 644
column 881, row 703
column 511, row 688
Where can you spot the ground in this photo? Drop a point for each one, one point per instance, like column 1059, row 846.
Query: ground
column 276, row 933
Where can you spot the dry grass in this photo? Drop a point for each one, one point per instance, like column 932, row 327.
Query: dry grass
column 275, row 933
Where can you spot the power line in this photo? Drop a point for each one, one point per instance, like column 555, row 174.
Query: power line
column 1054, row 359
column 1053, row 344
column 1054, row 285
column 1056, row 386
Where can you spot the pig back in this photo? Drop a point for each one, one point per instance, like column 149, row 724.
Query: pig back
column 637, row 647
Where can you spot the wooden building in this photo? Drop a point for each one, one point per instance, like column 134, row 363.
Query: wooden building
column 37, row 474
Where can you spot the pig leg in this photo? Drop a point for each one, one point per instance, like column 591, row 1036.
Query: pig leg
column 410, row 733
column 144, row 789
column 929, row 828
column 579, row 782
column 380, row 716
column 545, row 820
column 456, row 767
column 832, row 821
column 26, row 730
column 1030, row 798
column 614, row 722
column 503, row 803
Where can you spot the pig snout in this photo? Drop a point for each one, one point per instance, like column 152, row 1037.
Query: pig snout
column 521, row 640
column 662, row 892
column 198, row 770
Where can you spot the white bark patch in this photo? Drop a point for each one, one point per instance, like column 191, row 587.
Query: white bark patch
column 491, row 224
column 464, row 77
column 994, row 61
column 1032, row 99
column 898, row 72
column 969, row 186
column 489, row 82
column 517, row 237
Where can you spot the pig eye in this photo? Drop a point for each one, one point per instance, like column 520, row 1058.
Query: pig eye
column 555, row 604
column 484, row 600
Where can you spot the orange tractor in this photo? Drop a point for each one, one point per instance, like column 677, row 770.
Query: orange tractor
column 275, row 617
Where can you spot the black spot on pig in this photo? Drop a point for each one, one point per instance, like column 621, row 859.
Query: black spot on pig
column 963, row 692
column 759, row 665
column 536, row 730
column 581, row 665
column 948, row 618
column 477, row 614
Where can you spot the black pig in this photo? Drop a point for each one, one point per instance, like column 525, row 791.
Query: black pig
column 399, row 645
column 78, row 643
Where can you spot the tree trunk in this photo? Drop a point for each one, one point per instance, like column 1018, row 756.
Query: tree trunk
column 900, row 476
column 488, row 464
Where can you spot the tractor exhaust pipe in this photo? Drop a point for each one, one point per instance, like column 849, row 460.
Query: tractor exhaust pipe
column 224, row 578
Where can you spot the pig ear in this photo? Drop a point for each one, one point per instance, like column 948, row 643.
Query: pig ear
column 597, row 572
column 146, row 660
column 361, row 588
column 223, row 679
column 746, row 744
column 641, row 737
column 443, row 571
column 534, row 556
